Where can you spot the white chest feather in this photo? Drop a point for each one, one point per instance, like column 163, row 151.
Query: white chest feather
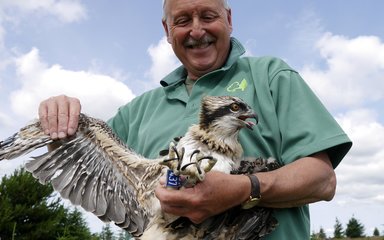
column 227, row 151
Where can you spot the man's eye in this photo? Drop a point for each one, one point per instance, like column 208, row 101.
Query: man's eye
column 181, row 21
column 209, row 17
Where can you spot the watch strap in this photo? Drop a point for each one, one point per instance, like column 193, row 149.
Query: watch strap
column 255, row 186
column 255, row 196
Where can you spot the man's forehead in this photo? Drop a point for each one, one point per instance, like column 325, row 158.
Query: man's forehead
column 224, row 1
column 200, row 3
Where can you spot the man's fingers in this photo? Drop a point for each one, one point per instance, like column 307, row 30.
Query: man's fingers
column 175, row 210
column 174, row 202
column 59, row 116
column 163, row 180
column 52, row 117
column 62, row 116
column 43, row 116
column 74, row 112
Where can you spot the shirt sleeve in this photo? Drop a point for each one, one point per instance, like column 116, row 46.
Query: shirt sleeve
column 305, row 125
column 119, row 125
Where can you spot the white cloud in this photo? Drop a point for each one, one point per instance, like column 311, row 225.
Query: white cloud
column 16, row 11
column 2, row 36
column 64, row 10
column 360, row 175
column 360, row 178
column 351, row 81
column 100, row 95
column 163, row 60
column 5, row 120
column 354, row 71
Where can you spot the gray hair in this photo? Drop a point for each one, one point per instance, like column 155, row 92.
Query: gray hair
column 225, row 3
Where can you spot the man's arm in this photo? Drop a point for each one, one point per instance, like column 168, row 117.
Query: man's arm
column 304, row 181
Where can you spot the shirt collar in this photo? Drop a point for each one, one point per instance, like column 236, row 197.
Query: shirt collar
column 180, row 73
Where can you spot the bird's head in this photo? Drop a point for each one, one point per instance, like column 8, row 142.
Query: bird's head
column 226, row 112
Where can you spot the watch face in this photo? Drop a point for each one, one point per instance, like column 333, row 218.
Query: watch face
column 250, row 203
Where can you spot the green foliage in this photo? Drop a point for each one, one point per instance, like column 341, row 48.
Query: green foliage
column 376, row 232
column 338, row 230
column 26, row 212
column 106, row 233
column 74, row 226
column 320, row 235
column 29, row 210
column 123, row 235
column 315, row 236
column 354, row 229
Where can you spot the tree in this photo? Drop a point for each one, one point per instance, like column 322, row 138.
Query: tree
column 376, row 232
column 25, row 211
column 314, row 236
column 106, row 233
column 354, row 229
column 29, row 210
column 74, row 226
column 319, row 236
column 338, row 230
column 123, row 235
column 322, row 234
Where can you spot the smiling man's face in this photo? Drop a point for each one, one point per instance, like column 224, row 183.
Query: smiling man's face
column 199, row 31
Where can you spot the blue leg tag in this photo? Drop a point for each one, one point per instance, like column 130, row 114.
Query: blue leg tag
column 173, row 180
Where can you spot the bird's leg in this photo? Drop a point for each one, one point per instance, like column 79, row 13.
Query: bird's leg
column 174, row 159
column 196, row 174
column 190, row 175
column 210, row 163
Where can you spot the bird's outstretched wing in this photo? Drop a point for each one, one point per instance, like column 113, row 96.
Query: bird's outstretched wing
column 93, row 169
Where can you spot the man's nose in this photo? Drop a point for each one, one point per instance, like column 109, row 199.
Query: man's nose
column 197, row 30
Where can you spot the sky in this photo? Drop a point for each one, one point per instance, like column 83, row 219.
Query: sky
column 106, row 53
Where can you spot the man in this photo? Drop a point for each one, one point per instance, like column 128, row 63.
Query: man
column 294, row 126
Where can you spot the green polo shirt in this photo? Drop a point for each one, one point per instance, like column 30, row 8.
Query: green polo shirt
column 293, row 123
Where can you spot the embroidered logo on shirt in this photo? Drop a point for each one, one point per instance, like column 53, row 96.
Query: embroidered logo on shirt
column 236, row 86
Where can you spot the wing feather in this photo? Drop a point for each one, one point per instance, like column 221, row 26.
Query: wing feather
column 93, row 169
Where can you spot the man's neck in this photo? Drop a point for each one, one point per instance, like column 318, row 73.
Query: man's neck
column 189, row 84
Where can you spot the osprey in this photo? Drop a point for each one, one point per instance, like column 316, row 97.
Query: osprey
column 96, row 170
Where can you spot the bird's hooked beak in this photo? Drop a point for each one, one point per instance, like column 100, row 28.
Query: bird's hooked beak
column 247, row 115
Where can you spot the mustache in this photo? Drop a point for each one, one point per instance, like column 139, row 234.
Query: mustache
column 191, row 42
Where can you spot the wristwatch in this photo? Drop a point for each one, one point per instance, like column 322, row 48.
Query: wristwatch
column 255, row 196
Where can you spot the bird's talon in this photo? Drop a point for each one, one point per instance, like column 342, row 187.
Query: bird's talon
column 174, row 159
column 193, row 154
column 211, row 162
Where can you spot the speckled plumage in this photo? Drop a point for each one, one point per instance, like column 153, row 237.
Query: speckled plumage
column 95, row 170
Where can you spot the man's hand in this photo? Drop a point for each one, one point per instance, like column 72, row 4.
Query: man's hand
column 59, row 116
column 217, row 193
column 306, row 180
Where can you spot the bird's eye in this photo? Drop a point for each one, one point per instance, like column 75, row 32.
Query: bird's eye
column 235, row 107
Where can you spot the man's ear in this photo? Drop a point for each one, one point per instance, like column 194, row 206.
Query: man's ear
column 229, row 18
column 165, row 26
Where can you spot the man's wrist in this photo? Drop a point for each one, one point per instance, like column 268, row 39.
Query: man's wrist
column 255, row 196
